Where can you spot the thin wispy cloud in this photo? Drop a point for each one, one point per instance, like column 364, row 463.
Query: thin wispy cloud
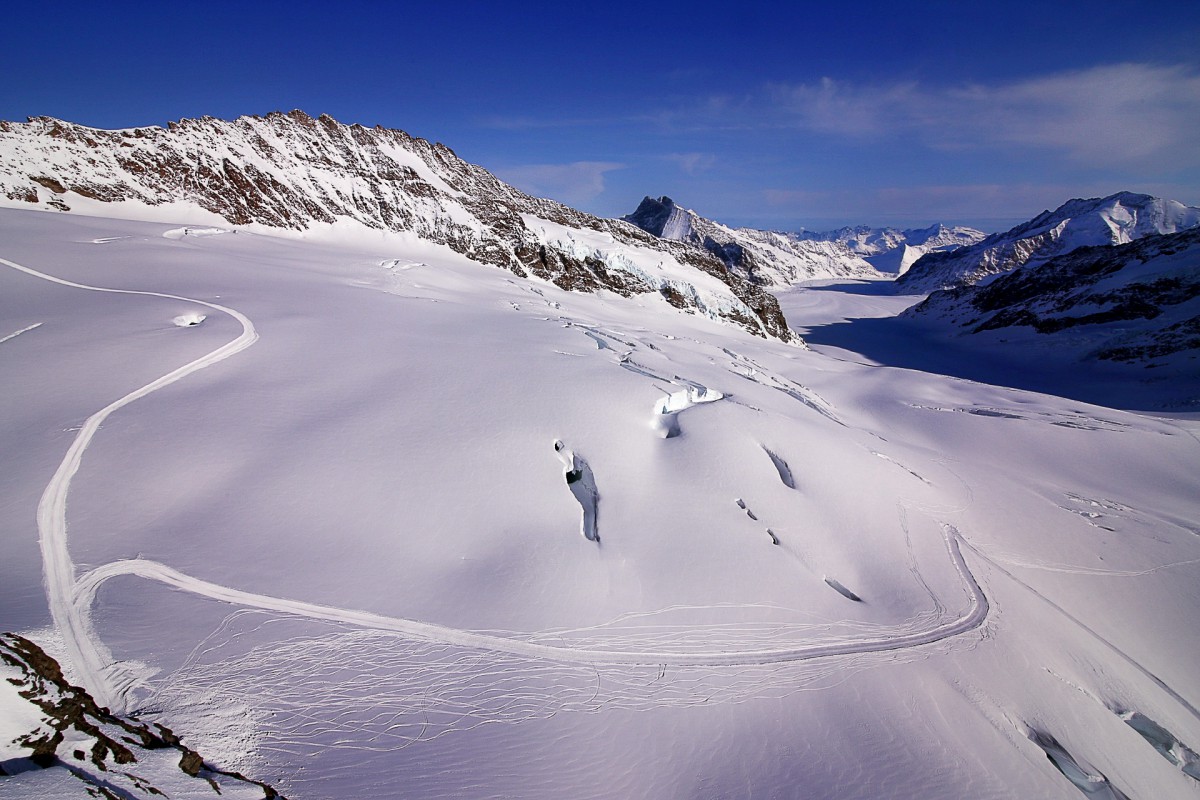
column 528, row 123
column 1128, row 114
column 575, row 183
column 692, row 163
column 921, row 205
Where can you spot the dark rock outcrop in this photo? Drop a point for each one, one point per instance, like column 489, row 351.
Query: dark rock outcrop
column 110, row 756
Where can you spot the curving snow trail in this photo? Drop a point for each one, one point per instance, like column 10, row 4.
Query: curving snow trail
column 71, row 598
column 974, row 617
column 87, row 654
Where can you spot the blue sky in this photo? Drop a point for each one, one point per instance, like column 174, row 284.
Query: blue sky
column 766, row 114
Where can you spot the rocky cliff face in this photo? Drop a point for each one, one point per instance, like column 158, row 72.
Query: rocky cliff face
column 1117, row 219
column 1136, row 302
column 293, row 172
column 762, row 257
column 55, row 741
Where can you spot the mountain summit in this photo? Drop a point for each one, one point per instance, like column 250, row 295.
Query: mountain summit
column 293, row 172
column 763, row 257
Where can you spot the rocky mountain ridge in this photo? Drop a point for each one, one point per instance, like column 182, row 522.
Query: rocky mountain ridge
column 774, row 258
column 1133, row 302
column 1117, row 219
column 295, row 172
column 763, row 257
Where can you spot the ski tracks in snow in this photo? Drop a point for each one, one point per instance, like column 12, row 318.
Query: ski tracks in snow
column 71, row 598
column 15, row 334
column 87, row 653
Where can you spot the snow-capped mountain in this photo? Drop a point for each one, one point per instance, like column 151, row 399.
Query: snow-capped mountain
column 776, row 258
column 358, row 515
column 1136, row 302
column 1117, row 219
column 764, row 257
column 55, row 741
column 293, row 172
column 892, row 250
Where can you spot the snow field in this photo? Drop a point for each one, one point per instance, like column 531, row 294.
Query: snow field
column 384, row 451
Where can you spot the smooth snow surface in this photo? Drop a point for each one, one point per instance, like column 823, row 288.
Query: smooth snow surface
column 390, row 518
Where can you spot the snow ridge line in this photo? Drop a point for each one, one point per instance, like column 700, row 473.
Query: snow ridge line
column 87, row 653
column 15, row 334
column 70, row 598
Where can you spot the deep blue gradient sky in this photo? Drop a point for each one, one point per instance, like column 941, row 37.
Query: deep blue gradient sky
column 766, row 114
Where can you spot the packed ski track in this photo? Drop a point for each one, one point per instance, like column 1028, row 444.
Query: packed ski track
column 87, row 652
column 71, row 598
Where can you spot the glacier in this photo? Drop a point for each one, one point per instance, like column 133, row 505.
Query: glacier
column 324, row 537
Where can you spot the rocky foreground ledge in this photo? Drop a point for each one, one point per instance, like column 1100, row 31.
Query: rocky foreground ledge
column 55, row 741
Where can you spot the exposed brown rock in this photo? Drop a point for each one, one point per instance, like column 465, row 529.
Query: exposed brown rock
column 69, row 708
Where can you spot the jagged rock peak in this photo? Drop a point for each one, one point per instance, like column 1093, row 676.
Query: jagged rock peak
column 652, row 214
column 762, row 257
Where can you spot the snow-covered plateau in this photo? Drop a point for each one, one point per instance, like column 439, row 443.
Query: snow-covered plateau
column 360, row 517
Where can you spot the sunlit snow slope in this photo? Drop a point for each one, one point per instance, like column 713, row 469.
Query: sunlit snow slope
column 375, row 515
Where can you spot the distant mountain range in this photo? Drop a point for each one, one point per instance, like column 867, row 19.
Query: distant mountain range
column 893, row 251
column 1137, row 302
column 293, row 172
column 779, row 259
column 1118, row 219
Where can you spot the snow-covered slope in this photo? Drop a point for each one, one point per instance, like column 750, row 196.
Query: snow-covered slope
column 1137, row 302
column 764, row 257
column 892, row 250
column 293, row 172
column 369, row 518
column 1117, row 219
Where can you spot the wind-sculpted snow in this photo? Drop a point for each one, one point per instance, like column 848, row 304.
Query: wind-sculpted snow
column 422, row 535
column 582, row 484
column 71, row 598
column 665, row 419
column 400, row 697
